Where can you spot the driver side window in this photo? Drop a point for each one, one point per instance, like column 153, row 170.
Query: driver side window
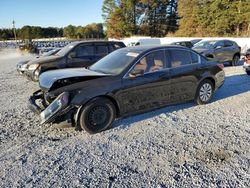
column 155, row 61
column 220, row 43
column 84, row 50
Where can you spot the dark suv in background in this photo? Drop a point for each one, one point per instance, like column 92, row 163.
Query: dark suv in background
column 221, row 50
column 75, row 54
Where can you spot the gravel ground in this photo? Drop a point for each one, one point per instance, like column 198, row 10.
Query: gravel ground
column 177, row 146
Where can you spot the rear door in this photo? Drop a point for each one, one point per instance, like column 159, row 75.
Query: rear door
column 84, row 56
column 220, row 51
column 230, row 50
column 184, row 74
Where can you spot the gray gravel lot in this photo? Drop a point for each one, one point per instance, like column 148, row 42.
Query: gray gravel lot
column 177, row 146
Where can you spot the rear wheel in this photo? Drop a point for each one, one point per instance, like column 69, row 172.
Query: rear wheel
column 97, row 115
column 204, row 92
column 248, row 73
column 235, row 60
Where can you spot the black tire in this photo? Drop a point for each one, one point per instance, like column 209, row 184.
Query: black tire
column 248, row 73
column 204, row 92
column 235, row 60
column 97, row 115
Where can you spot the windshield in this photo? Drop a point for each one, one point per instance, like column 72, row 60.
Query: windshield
column 51, row 52
column 65, row 50
column 205, row 44
column 115, row 62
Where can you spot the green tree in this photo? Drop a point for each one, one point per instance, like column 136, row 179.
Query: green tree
column 69, row 31
column 188, row 13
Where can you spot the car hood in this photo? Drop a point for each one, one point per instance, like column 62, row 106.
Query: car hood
column 66, row 76
column 44, row 59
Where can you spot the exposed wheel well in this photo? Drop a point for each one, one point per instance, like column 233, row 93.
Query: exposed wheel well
column 237, row 54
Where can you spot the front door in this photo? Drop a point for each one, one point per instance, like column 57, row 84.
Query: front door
column 148, row 91
column 83, row 56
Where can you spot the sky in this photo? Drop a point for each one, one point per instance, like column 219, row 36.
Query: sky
column 45, row 13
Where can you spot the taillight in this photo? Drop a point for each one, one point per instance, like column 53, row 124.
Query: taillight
column 220, row 65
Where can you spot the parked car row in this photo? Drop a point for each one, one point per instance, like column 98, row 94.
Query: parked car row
column 127, row 81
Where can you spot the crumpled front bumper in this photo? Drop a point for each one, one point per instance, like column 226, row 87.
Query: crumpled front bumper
column 37, row 102
column 21, row 69
column 56, row 111
column 30, row 74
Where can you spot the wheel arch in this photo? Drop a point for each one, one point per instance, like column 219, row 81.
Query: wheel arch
column 99, row 96
column 210, row 78
column 237, row 54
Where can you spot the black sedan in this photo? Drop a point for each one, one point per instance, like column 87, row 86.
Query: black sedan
column 128, row 81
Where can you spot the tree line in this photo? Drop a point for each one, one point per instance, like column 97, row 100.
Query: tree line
column 159, row 18
column 214, row 18
column 31, row 32
column 155, row 18
column 94, row 30
column 124, row 18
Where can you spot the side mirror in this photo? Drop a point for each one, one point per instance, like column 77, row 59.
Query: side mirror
column 72, row 55
column 218, row 47
column 136, row 72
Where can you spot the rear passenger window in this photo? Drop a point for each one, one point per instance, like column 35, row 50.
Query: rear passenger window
column 179, row 58
column 228, row 43
column 219, row 43
column 102, row 50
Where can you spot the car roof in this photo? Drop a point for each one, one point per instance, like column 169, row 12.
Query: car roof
column 182, row 41
column 217, row 40
column 150, row 47
column 92, row 41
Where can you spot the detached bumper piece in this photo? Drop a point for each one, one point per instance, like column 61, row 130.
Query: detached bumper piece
column 36, row 102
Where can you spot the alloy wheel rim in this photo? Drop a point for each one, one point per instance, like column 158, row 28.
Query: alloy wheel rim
column 205, row 92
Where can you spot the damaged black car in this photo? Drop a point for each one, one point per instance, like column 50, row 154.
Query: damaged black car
column 128, row 81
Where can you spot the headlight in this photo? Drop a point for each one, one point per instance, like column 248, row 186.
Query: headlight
column 33, row 66
column 58, row 104
column 36, row 74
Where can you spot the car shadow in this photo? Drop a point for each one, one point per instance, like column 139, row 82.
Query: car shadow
column 234, row 85
column 228, row 64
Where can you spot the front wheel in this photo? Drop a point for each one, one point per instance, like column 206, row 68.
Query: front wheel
column 248, row 73
column 204, row 92
column 97, row 115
